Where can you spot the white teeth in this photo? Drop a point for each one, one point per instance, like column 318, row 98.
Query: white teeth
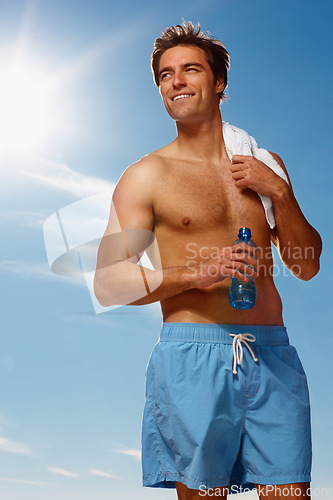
column 181, row 96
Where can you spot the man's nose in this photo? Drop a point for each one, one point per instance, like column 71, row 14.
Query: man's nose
column 179, row 79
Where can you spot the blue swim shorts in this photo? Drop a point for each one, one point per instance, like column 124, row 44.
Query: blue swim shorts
column 226, row 405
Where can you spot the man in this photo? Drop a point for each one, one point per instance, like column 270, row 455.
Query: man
column 207, row 425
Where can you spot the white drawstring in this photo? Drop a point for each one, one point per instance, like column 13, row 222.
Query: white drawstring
column 238, row 348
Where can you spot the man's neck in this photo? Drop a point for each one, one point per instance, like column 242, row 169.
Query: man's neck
column 201, row 141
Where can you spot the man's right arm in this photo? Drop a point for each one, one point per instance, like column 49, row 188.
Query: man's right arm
column 119, row 280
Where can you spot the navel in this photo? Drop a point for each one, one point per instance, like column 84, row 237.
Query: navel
column 186, row 221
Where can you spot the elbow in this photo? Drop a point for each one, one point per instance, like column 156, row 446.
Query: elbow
column 105, row 287
column 311, row 274
column 100, row 294
column 101, row 300
column 306, row 272
column 105, row 301
column 109, row 294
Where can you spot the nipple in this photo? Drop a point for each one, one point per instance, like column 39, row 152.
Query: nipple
column 186, row 221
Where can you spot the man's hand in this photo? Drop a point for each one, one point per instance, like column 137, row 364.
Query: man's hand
column 233, row 261
column 250, row 173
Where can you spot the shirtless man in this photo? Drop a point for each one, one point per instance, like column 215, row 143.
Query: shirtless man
column 204, row 426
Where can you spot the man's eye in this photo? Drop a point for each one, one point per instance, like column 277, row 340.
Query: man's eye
column 192, row 69
column 164, row 75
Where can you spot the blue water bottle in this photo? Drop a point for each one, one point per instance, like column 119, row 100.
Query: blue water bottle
column 242, row 295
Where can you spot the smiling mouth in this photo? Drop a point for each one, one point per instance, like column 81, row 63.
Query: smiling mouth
column 182, row 96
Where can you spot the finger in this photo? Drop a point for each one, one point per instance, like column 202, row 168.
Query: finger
column 235, row 272
column 240, row 276
column 243, row 184
column 237, row 167
column 246, row 259
column 249, row 268
column 240, row 158
column 238, row 175
column 245, row 262
column 248, row 255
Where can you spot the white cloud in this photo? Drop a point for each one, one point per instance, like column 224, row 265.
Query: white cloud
column 62, row 472
column 33, row 270
column 25, row 268
column 24, row 481
column 132, row 453
column 24, row 219
column 60, row 176
column 97, row 472
column 10, row 446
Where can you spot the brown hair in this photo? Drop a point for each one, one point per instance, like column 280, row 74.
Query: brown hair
column 216, row 54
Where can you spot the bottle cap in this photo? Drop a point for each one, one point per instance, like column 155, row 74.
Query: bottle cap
column 244, row 232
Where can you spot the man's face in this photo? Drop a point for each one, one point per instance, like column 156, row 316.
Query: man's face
column 187, row 84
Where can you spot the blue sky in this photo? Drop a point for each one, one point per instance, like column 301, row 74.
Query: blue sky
column 72, row 381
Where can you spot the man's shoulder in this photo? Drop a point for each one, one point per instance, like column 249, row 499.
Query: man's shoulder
column 141, row 174
column 150, row 168
column 279, row 161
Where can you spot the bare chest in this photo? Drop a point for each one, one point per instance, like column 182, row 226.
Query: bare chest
column 198, row 198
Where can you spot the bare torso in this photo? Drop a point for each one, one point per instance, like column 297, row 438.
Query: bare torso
column 197, row 210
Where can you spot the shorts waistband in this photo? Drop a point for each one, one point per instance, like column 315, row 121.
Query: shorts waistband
column 212, row 333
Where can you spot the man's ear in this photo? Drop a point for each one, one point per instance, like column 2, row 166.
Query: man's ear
column 219, row 84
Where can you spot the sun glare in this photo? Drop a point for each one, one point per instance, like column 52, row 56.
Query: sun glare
column 26, row 114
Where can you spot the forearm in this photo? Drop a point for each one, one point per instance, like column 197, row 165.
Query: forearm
column 298, row 242
column 126, row 283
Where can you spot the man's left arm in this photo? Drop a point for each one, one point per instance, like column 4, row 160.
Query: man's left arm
column 299, row 244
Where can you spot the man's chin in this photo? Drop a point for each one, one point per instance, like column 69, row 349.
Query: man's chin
column 184, row 117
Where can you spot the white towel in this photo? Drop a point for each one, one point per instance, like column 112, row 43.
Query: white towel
column 238, row 142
